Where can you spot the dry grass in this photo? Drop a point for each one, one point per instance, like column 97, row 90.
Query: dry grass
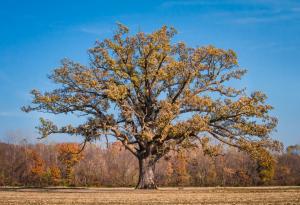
column 252, row 195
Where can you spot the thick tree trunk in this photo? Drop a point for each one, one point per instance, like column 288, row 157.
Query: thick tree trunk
column 146, row 174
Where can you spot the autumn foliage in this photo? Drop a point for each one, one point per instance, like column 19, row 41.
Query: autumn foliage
column 41, row 165
column 156, row 96
column 69, row 155
column 36, row 166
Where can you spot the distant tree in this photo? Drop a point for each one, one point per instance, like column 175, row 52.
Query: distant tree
column 155, row 96
column 54, row 175
column 265, row 165
column 69, row 156
column 180, row 172
column 164, row 172
column 36, row 168
column 293, row 149
column 288, row 166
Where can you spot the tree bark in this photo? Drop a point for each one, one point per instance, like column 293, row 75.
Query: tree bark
column 146, row 173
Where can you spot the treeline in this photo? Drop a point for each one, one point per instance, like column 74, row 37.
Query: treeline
column 59, row 164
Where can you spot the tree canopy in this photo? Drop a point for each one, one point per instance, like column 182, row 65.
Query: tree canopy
column 154, row 96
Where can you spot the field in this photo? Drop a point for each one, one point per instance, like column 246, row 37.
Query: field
column 218, row 195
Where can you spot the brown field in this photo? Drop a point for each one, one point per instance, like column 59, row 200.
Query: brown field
column 218, row 195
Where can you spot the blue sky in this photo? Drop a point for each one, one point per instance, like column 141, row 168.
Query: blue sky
column 36, row 35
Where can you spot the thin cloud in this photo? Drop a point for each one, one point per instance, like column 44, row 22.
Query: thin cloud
column 264, row 19
column 95, row 30
column 4, row 78
column 296, row 9
column 269, row 3
column 271, row 45
column 8, row 114
column 186, row 3
column 250, row 12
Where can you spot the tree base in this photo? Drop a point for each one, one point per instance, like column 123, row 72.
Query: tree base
column 146, row 186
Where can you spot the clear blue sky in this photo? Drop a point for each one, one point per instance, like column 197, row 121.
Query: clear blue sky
column 36, row 35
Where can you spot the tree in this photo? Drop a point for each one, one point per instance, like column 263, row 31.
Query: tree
column 54, row 175
column 69, row 156
column 37, row 168
column 155, row 96
column 180, row 169
column 293, row 149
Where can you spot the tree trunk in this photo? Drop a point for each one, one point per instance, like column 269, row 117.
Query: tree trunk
column 146, row 174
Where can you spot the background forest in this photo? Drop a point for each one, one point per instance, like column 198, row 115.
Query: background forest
column 24, row 164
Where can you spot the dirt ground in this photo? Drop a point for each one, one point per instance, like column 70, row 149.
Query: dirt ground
column 217, row 195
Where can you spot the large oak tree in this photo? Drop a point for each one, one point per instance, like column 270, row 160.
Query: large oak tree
column 154, row 96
